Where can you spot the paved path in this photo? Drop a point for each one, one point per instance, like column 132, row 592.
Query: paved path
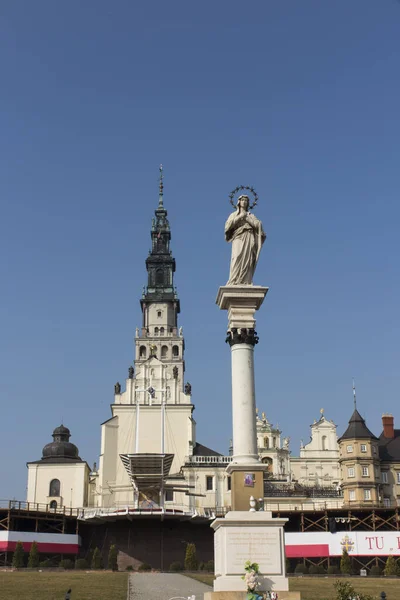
column 163, row 586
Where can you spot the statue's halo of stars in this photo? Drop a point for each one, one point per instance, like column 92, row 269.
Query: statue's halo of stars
column 240, row 188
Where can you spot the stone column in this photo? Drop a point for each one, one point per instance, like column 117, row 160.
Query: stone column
column 241, row 302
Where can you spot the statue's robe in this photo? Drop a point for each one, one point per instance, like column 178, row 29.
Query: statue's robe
column 247, row 238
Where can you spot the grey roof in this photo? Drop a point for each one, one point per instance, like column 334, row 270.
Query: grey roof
column 200, row 450
column 357, row 428
column 389, row 448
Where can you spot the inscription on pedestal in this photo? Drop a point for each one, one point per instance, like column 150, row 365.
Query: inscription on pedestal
column 244, row 544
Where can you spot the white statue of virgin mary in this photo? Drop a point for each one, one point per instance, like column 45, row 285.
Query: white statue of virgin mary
column 246, row 233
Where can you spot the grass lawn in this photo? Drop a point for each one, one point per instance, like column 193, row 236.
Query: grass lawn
column 321, row 588
column 100, row 585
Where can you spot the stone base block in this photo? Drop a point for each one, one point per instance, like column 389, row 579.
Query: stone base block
column 242, row 596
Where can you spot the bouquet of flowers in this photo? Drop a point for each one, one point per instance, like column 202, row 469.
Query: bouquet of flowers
column 251, row 580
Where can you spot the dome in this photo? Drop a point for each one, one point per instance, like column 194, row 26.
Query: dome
column 61, row 448
column 61, row 430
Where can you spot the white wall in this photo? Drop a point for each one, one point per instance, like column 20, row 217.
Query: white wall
column 73, row 479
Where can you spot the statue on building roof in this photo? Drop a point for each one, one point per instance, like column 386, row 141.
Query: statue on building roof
column 246, row 233
column 188, row 389
column 130, row 372
column 117, row 388
column 175, row 372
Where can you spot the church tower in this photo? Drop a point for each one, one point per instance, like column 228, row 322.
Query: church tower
column 160, row 305
column 151, row 425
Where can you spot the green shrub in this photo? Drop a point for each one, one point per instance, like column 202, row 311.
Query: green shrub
column 314, row 570
column 96, row 559
column 67, row 563
column 288, row 566
column 112, row 558
column 332, row 570
column 391, row 567
column 46, row 564
column 33, row 558
column 176, row 566
column 191, row 562
column 375, row 571
column 210, row 566
column 129, row 568
column 202, row 566
column 81, row 563
column 144, row 567
column 18, row 556
column 345, row 563
column 301, row 568
column 344, row 591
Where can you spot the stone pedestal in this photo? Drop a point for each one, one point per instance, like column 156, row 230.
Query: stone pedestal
column 253, row 536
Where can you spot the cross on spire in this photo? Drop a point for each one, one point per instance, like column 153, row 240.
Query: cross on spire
column 354, row 395
column 161, row 189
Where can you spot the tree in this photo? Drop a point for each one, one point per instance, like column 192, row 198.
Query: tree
column 390, row 566
column 345, row 563
column 112, row 558
column 96, row 559
column 18, row 558
column 191, row 563
column 33, row 559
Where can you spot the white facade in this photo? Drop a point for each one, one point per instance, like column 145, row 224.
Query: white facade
column 73, row 484
column 318, row 463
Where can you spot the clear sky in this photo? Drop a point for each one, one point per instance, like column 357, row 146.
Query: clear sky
column 299, row 99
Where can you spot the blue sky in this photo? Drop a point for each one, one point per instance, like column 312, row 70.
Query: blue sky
column 299, row 99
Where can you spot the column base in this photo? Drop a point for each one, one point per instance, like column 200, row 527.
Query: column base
column 246, row 480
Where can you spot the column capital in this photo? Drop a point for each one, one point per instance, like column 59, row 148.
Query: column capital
column 241, row 336
column 241, row 302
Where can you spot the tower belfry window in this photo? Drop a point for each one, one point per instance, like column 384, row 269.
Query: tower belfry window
column 175, row 351
column 159, row 277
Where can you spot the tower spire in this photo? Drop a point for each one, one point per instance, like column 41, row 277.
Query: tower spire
column 354, row 395
column 161, row 189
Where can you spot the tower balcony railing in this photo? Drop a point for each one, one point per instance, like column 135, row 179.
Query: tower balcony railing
column 208, row 460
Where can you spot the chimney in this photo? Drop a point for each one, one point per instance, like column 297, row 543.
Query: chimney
column 388, row 425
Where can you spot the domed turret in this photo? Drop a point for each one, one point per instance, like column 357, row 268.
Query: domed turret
column 61, row 448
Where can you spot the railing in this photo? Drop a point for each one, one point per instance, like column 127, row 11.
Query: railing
column 121, row 511
column 285, row 491
column 294, row 506
column 208, row 460
column 38, row 507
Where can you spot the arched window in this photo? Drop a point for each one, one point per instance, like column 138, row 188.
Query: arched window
column 54, row 487
column 159, row 277
column 268, row 461
column 53, row 504
column 142, row 352
column 159, row 314
column 162, row 330
column 266, row 442
column 164, row 351
column 175, row 351
column 324, row 446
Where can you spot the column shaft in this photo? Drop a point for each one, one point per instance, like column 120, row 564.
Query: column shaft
column 243, row 404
